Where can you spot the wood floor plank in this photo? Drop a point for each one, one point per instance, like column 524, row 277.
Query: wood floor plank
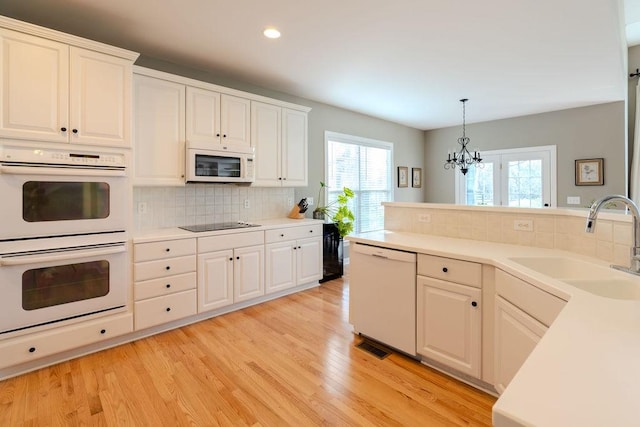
column 290, row 361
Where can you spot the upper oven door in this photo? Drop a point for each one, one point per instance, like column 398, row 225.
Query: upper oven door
column 41, row 201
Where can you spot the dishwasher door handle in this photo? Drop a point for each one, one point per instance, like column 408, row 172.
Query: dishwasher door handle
column 380, row 256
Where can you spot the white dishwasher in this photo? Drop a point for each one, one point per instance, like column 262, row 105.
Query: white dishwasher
column 382, row 295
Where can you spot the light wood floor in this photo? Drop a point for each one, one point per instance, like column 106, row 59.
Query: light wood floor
column 291, row 361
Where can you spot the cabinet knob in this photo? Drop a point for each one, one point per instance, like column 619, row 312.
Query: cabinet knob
column 217, row 135
column 32, row 350
column 168, row 267
column 294, row 248
column 280, row 178
column 168, row 285
column 74, row 130
column 231, row 259
column 168, row 309
column 282, row 235
column 237, row 257
column 310, row 231
column 445, row 269
column 63, row 129
column 168, row 250
column 224, row 136
column 474, row 304
column 103, row 331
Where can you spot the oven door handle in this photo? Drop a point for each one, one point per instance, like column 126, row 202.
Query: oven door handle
column 37, row 170
column 72, row 254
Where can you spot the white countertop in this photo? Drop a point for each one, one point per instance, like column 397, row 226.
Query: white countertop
column 586, row 369
column 173, row 233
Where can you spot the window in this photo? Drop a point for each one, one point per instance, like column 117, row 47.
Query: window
column 366, row 167
column 521, row 177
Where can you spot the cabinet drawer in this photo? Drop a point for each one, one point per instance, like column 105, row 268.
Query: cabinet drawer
column 165, row 249
column 163, row 268
column 32, row 347
column 453, row 270
column 293, row 233
column 230, row 241
column 539, row 304
column 164, row 286
column 164, row 309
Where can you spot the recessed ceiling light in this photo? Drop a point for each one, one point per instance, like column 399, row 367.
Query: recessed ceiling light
column 271, row 33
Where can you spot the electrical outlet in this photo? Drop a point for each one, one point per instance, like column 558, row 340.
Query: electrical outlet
column 310, row 201
column 142, row 207
column 246, row 203
column 523, row 225
column 573, row 200
column 424, row 217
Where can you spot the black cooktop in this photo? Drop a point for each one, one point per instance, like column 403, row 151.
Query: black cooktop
column 217, row 226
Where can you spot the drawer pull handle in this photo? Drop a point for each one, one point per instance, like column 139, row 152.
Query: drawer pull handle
column 168, row 285
column 103, row 331
column 474, row 304
column 168, row 267
column 168, row 309
column 445, row 269
column 32, row 350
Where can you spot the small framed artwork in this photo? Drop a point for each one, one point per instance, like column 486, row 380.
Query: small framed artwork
column 416, row 177
column 590, row 172
column 403, row 176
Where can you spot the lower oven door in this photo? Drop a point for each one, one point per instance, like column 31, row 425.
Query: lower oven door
column 41, row 287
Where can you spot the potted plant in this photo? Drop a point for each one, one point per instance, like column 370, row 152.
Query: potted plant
column 337, row 211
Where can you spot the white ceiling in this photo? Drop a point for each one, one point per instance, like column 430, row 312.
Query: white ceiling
column 408, row 61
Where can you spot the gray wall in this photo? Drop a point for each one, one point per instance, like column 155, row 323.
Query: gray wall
column 633, row 64
column 408, row 142
column 579, row 133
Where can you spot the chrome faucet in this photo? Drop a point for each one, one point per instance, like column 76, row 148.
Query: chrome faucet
column 634, row 263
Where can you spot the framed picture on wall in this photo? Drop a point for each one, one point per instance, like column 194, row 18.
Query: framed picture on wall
column 590, row 171
column 416, row 177
column 403, row 176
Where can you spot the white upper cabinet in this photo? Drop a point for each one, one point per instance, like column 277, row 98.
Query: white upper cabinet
column 279, row 136
column 55, row 91
column 217, row 121
column 159, row 131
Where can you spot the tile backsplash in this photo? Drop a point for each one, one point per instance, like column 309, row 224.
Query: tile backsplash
column 161, row 207
column 550, row 228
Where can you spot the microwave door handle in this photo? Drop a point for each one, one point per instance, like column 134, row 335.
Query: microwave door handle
column 32, row 170
column 73, row 254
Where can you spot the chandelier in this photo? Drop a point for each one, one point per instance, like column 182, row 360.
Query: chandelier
column 463, row 158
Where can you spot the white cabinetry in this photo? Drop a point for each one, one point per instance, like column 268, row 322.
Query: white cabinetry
column 279, row 136
column 159, row 131
column 216, row 120
column 449, row 314
column 293, row 257
column 54, row 91
column 230, row 269
column 522, row 316
column 165, row 281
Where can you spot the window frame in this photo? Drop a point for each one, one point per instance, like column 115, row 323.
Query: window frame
column 359, row 141
column 551, row 150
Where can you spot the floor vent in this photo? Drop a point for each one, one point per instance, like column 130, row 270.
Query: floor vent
column 376, row 349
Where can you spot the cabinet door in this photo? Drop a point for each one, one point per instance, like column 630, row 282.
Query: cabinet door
column 215, row 280
column 280, row 260
column 203, row 118
column 100, row 98
column 309, row 260
column 235, row 121
column 294, row 148
column 34, row 87
column 449, row 324
column 248, row 272
column 159, row 127
column 516, row 335
column 265, row 137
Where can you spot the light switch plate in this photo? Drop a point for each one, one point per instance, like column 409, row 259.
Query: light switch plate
column 573, row 200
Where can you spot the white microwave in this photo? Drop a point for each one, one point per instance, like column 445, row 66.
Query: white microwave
column 225, row 165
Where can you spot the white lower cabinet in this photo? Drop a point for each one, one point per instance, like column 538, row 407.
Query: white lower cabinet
column 291, row 260
column 230, row 269
column 516, row 335
column 41, row 344
column 449, row 324
column 523, row 314
column 164, row 281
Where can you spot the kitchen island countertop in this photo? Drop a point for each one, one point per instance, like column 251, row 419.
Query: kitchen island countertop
column 585, row 369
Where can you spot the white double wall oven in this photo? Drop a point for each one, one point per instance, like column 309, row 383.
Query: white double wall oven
column 63, row 239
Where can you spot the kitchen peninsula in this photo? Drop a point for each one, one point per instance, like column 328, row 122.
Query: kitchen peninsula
column 582, row 370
